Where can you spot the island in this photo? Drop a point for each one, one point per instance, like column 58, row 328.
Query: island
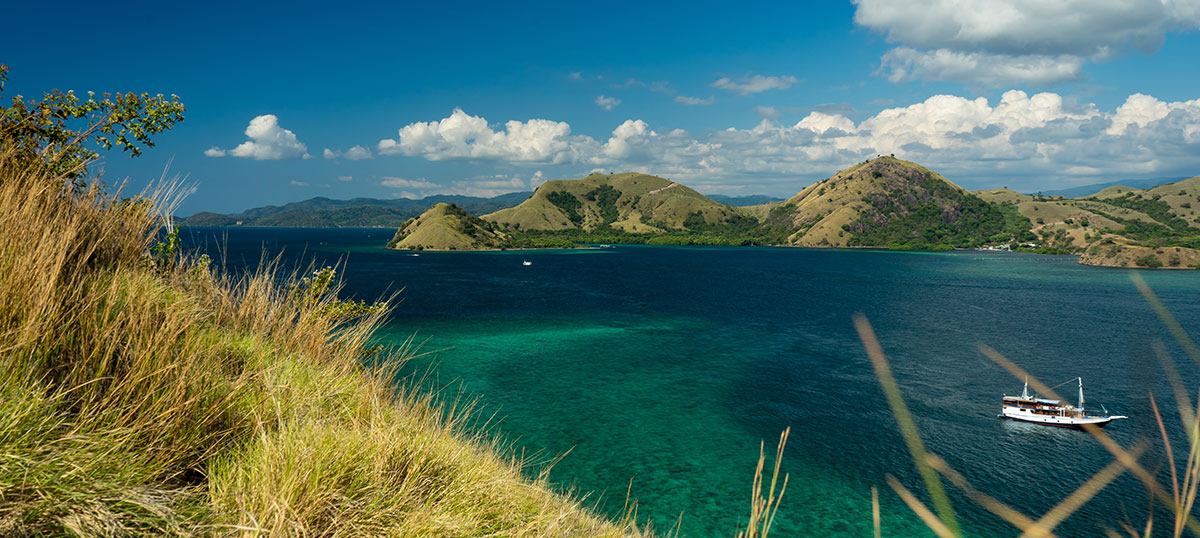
column 885, row 202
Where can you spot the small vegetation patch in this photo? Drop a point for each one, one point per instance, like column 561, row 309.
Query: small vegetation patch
column 568, row 203
column 605, row 197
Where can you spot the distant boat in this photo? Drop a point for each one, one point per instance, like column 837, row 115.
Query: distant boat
column 1059, row 413
column 526, row 262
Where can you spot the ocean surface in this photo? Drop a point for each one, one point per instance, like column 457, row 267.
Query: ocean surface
column 659, row 370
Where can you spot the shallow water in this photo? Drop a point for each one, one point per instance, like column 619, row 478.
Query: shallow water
column 668, row 365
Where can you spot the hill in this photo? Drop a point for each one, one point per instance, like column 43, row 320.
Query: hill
column 628, row 202
column 880, row 203
column 448, row 227
column 1089, row 190
column 321, row 212
column 888, row 202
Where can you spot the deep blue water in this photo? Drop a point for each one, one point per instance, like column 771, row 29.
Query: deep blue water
column 668, row 365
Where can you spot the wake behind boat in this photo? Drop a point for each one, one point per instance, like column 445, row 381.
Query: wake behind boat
column 1026, row 408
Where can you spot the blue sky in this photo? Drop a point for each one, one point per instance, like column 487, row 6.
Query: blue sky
column 290, row 101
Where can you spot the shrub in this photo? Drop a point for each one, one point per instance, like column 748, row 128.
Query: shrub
column 1149, row 260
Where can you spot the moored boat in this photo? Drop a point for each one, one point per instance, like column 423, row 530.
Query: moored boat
column 1059, row 413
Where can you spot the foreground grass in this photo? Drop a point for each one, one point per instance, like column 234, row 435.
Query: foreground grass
column 144, row 395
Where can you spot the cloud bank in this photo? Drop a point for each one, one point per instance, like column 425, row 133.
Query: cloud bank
column 999, row 42
column 1039, row 141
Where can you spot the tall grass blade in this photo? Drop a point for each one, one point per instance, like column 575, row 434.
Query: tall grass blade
column 908, row 428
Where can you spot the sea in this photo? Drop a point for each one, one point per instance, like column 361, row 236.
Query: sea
column 655, row 374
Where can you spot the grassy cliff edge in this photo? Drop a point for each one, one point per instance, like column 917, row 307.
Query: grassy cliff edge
column 145, row 395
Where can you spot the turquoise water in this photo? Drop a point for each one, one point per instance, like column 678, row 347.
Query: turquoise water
column 668, row 365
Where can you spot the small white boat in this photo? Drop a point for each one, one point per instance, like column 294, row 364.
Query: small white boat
column 526, row 262
column 1059, row 413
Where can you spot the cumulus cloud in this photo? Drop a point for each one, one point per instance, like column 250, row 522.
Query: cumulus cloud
column 754, row 84
column 1039, row 141
column 356, row 153
column 298, row 183
column 345, row 178
column 693, row 101
column 268, row 142
column 998, row 42
column 462, row 136
column 607, row 103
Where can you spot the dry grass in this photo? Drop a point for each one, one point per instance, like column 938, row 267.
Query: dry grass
column 1181, row 499
column 143, row 396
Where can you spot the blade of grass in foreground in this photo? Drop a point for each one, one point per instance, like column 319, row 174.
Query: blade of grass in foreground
column 908, row 428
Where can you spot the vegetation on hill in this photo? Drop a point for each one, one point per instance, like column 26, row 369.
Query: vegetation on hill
column 880, row 203
column 611, row 204
column 448, row 227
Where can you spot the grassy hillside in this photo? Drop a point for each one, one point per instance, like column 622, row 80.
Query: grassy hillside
column 888, row 202
column 143, row 394
column 448, row 227
column 629, row 202
column 1117, row 226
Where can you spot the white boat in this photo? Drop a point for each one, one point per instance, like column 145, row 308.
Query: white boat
column 526, row 262
column 1026, row 408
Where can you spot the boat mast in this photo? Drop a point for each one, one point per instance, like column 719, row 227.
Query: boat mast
column 1081, row 394
column 1025, row 391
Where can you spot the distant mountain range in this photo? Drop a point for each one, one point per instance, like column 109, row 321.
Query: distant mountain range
column 324, row 212
column 1088, row 190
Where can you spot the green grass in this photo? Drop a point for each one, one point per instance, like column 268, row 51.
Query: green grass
column 150, row 396
column 143, row 394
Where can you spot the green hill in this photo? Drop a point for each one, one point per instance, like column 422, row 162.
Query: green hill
column 888, row 202
column 448, row 227
column 630, row 202
column 880, row 203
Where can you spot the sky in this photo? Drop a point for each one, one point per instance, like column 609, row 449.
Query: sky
column 289, row 101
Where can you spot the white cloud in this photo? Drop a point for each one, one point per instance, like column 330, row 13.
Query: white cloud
column 401, row 183
column 345, row 178
column 693, row 101
column 268, row 142
column 299, row 183
column 754, row 84
column 999, row 42
column 1040, row 141
column 767, row 111
column 356, row 153
column 462, row 136
column 903, row 64
column 576, row 76
column 607, row 103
